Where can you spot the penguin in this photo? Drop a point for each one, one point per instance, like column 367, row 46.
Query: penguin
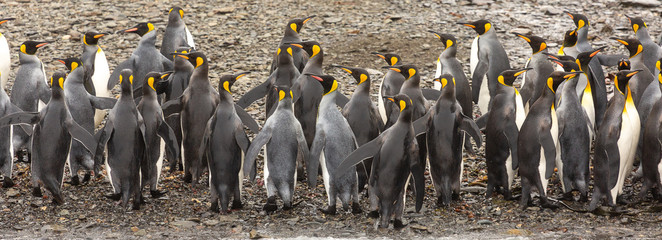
column 564, row 64
column 569, row 46
column 639, row 82
column 333, row 142
column 6, row 150
column 534, row 79
column 648, row 99
column 195, row 106
column 30, row 87
column 624, row 64
column 443, row 125
column 650, row 50
column 586, row 87
column 144, row 59
column 284, row 75
column 537, row 141
column 54, row 128
column 5, row 56
column 81, row 105
column 284, row 143
column 155, row 128
column 224, row 144
column 96, row 65
column 291, row 34
column 176, row 34
column 488, row 60
column 390, row 86
column 501, row 131
column 651, row 149
column 395, row 159
column 124, row 138
column 363, row 117
column 615, row 143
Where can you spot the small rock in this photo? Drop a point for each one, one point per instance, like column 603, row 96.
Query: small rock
column 485, row 222
column 224, row 10
column 641, row 3
column 12, row 192
column 254, row 235
column 332, row 19
column 211, row 222
column 523, row 31
column 63, row 212
column 140, row 233
column 184, row 224
column 134, row 229
column 549, row 10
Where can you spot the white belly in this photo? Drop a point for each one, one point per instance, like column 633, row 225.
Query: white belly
column 627, row 145
column 542, row 167
column 380, row 103
column 241, row 174
column 189, row 38
column 325, row 176
column 100, row 81
column 520, row 113
column 473, row 60
column 589, row 107
column 159, row 162
column 437, row 74
column 484, row 97
column 5, row 61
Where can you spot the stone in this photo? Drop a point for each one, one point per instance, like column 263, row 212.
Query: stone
column 12, row 192
column 184, row 224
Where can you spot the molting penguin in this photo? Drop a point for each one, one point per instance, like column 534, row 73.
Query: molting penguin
column 5, row 56
column 488, row 60
column 652, row 150
column 534, row 79
column 176, row 33
column 615, row 143
column 363, row 117
column 390, row 86
column 651, row 51
column 443, row 125
column 97, row 70
column 537, row 141
column 224, row 144
column 395, row 159
column 284, row 143
column 291, row 35
column 6, row 150
column 639, row 82
column 124, row 137
column 53, row 130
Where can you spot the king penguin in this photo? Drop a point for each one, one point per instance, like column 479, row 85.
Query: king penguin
column 5, row 56
column 650, row 50
column 395, row 160
column 390, row 86
column 569, row 46
column 291, row 34
column 176, row 34
column 97, row 70
column 639, row 82
column 284, row 143
column 624, row 64
column 6, row 150
column 53, row 131
column 534, row 79
column 615, row 143
column 537, row 141
column 488, row 60
column 586, row 85
column 652, row 149
column 444, row 124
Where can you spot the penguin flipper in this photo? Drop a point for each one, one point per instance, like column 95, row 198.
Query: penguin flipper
column 366, row 151
column 168, row 135
column 103, row 137
column 614, row 162
column 341, row 100
column 431, row 94
column 302, row 151
column 80, row 134
column 246, row 119
column 313, row 161
column 242, row 139
column 417, row 171
column 511, row 133
column 468, row 125
column 477, row 79
column 547, row 143
column 422, row 124
column 172, row 107
column 20, row 118
column 115, row 76
column 102, row 102
column 44, row 91
column 259, row 141
column 481, row 121
column 254, row 94
column 610, row 60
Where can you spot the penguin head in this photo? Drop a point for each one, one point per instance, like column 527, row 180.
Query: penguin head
column 284, row 93
column 311, row 47
column 359, row 74
column 196, row 58
column 71, row 63
column 175, row 13
column 391, row 59
column 481, row 26
column 4, row 20
column 30, row 47
column 557, row 77
column 569, row 40
column 537, row 43
column 579, row 19
column 508, row 77
column 585, row 57
column 329, row 83
column 126, row 78
column 445, row 79
column 141, row 28
column 632, row 44
column 401, row 100
column 151, row 80
column 57, row 80
column 559, row 57
column 636, row 23
column 622, row 78
column 92, row 38
column 658, row 64
column 447, row 39
column 297, row 24
column 226, row 81
column 566, row 62
column 624, row 64
column 408, row 70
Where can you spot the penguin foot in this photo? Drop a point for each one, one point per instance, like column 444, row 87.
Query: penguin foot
column 568, row 197
column 87, row 177
column 397, row 224
column 114, row 197
column 136, row 205
column 270, row 206
column 237, row 205
column 57, row 200
column 331, row 210
column 547, row 204
column 621, row 200
column 157, row 193
column 188, row 178
column 373, row 214
column 356, row 208
column 36, row 191
column 7, row 182
column 214, row 207
column 74, row 180
column 287, row 206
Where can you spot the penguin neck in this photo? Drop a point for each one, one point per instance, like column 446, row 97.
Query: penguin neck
column 91, row 48
column 148, row 92
column 285, row 60
column 539, row 53
column 328, row 100
column 290, row 35
column 405, row 116
column 285, row 105
column 582, row 35
column 448, row 91
column 149, row 39
column 547, row 97
column 126, row 91
column 56, row 92
column 76, row 76
column 225, row 96
column 200, row 75
column 182, row 65
column 362, row 89
column 414, row 81
column 489, row 34
column 27, row 58
column 450, row 52
column 314, row 64
column 174, row 20
column 642, row 34
column 636, row 60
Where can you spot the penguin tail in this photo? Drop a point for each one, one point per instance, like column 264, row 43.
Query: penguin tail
column 224, row 194
column 54, row 188
column 446, row 193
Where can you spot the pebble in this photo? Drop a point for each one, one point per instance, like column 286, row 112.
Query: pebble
column 484, row 222
column 184, row 224
column 12, row 192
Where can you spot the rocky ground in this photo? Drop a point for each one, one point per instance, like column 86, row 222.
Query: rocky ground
column 242, row 36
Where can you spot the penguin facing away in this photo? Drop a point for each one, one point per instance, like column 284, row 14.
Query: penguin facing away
column 533, row 79
column 390, row 86
column 291, row 34
column 96, row 66
column 176, row 33
column 651, row 51
column 5, row 56
column 6, row 149
column 652, row 150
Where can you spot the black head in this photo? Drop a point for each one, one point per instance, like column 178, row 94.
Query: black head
column 444, row 79
column 311, row 47
column 359, row 74
column 636, row 23
column 175, row 13
column 622, row 78
column 508, row 77
column 30, row 47
column 567, row 65
column 579, row 19
column 570, row 38
column 623, row 64
column 4, row 20
column 632, row 44
column 391, row 59
column 408, row 70
column 585, row 57
column 141, row 28
column 447, row 39
column 329, row 83
column 537, row 43
column 481, row 26
column 197, row 59
column 284, row 92
column 226, row 81
column 71, row 63
column 92, row 38
column 297, row 24
column 126, row 78
column 182, row 51
column 57, row 80
column 557, row 77
column 151, row 79
column 401, row 100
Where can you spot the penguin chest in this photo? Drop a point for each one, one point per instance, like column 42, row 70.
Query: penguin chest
column 437, row 74
column 520, row 113
column 484, row 96
column 5, row 62
column 101, row 74
column 542, row 165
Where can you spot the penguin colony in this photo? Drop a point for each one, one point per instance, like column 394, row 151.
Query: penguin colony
column 168, row 107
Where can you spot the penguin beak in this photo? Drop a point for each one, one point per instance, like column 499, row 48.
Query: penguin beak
column 436, row 34
column 523, row 37
column 597, row 51
column 633, row 73
column 99, row 35
column 346, row 69
column 555, row 61
column 467, row 24
column 567, row 75
column 4, row 20
column 569, row 14
column 392, row 68
column 60, row 60
column 522, row 71
column 551, row 56
column 41, row 44
column 390, row 98
column 316, row 77
column 297, row 45
column 240, row 75
column 379, row 55
column 308, row 19
column 133, row 29
column 183, row 56
column 620, row 40
column 165, row 75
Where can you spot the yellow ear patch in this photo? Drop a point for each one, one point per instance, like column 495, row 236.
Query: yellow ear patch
column 293, row 26
column 199, row 61
column 488, row 26
column 291, row 95
column 281, row 95
column 501, row 80
column 334, row 86
column 394, row 60
column 52, row 80
column 543, row 46
column 412, row 72
column 444, row 81
column 657, row 65
column 131, row 79
column 550, row 83
column 23, row 49
column 580, row 24
column 226, row 86
column 659, row 78
column 579, row 64
column 639, row 49
column 403, row 105
column 289, row 50
column 635, row 27
column 316, row 50
column 449, row 43
column 278, row 52
column 61, row 82
column 150, row 82
column 363, row 78
column 120, row 80
column 181, row 13
column 85, row 41
column 74, row 65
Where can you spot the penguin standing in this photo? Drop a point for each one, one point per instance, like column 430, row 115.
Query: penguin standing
column 6, row 150
column 652, row 150
column 639, row 82
column 569, row 46
column 650, row 50
column 155, row 128
column 488, row 60
column 291, row 35
column 534, row 79
column 81, row 104
column 53, row 130
column 224, row 144
column 443, row 125
column 615, row 143
column 176, row 34
column 586, row 84
column 333, row 142
column 124, row 137
column 363, row 117
column 29, row 89
column 537, row 141
column 284, row 143
column 503, row 123
column 390, row 86
column 5, row 56
column 96, row 65
column 395, row 160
